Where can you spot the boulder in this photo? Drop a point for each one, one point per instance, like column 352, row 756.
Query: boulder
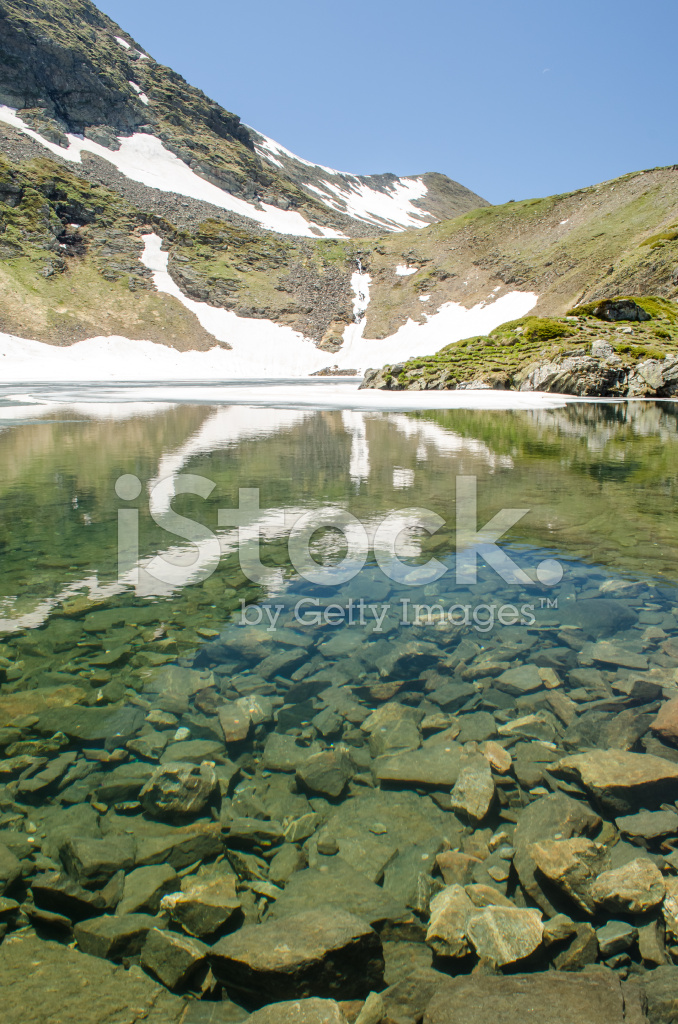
column 10, row 868
column 335, row 883
column 614, row 310
column 615, row 937
column 112, row 726
column 520, row 680
column 322, row 952
column 327, row 772
column 432, row 766
column 648, row 824
column 661, row 993
column 505, row 935
column 632, row 889
column 449, row 913
column 145, row 887
column 205, row 907
column 555, row 817
column 58, row 894
column 473, row 791
column 571, row 865
column 92, row 862
column 665, row 724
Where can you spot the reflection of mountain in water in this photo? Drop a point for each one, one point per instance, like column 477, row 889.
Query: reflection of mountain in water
column 599, row 480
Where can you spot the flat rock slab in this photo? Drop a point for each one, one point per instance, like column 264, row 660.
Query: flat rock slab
column 33, row 702
column 612, row 654
column 621, row 781
column 648, row 824
column 110, row 725
column 323, row 952
column 337, row 884
column 543, row 998
column 47, row 983
column 435, row 766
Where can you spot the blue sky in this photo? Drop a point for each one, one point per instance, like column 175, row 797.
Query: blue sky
column 514, row 100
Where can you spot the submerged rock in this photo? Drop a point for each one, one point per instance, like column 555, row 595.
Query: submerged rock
column 540, row 998
column 46, row 981
column 473, row 791
column 318, row 953
column 179, row 790
column 300, row 1011
column 620, row 781
column 173, row 959
column 505, row 935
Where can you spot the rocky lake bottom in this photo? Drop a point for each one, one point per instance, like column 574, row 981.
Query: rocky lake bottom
column 285, row 801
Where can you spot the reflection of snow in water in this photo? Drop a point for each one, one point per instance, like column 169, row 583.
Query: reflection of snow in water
column 359, row 466
column 445, row 441
column 402, row 478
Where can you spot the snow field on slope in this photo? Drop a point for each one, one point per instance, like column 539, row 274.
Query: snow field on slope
column 143, row 158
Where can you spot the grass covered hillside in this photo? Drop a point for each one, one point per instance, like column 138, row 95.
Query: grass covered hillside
column 616, row 238
column 508, row 357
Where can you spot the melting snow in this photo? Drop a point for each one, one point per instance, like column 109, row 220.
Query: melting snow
column 143, row 158
column 424, row 298
column 123, row 42
column 404, row 271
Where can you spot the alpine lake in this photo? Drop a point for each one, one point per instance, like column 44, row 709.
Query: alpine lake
column 416, row 785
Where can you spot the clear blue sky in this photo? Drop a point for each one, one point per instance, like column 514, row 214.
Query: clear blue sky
column 514, row 100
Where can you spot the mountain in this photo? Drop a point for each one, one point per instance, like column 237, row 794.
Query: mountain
column 132, row 207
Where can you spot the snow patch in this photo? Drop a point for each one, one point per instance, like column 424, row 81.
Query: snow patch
column 123, row 42
column 140, row 93
column 451, row 323
column 143, row 158
column 391, row 208
column 424, row 298
column 404, row 271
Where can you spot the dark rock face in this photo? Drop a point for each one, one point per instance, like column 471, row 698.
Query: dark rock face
column 620, row 309
column 320, row 952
